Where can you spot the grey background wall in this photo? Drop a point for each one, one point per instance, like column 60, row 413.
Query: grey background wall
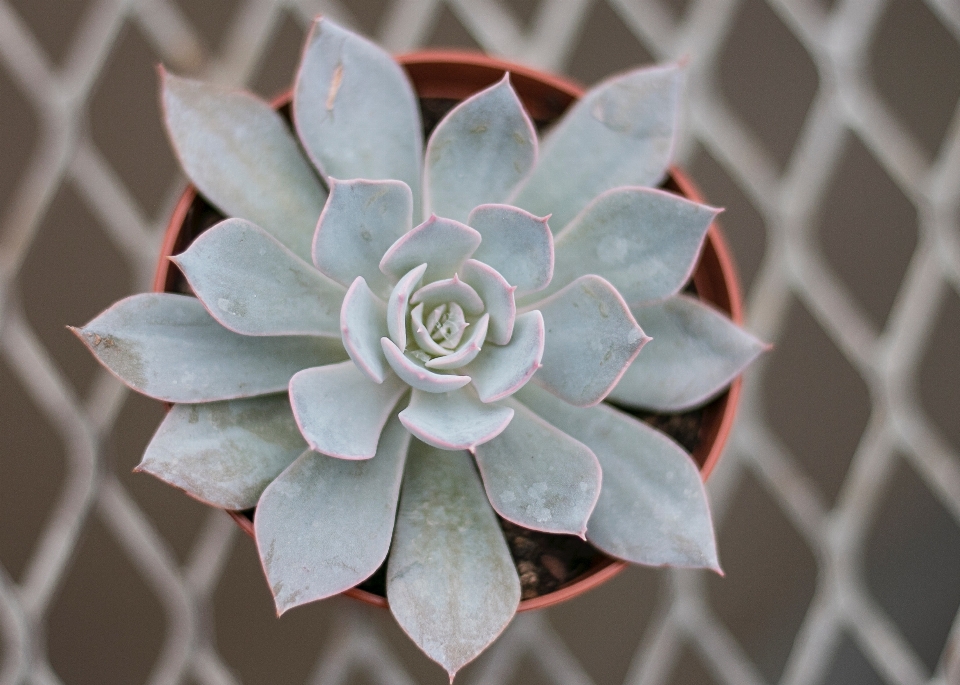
column 829, row 129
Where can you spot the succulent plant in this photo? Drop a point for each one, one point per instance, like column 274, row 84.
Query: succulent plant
column 378, row 389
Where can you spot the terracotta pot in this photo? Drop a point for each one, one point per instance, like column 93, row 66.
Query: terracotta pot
column 446, row 75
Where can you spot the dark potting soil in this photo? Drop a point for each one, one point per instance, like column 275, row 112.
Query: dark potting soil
column 545, row 561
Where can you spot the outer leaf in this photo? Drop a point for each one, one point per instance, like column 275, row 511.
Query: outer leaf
column 414, row 373
column 325, row 524
column 363, row 321
column 516, row 243
column 652, row 508
column 538, row 476
column 591, row 338
column 253, row 285
column 694, row 354
column 242, row 157
column 621, row 133
column 478, row 152
column 498, row 372
column 168, row 347
column 225, row 453
column 360, row 221
column 355, row 109
column 454, row 420
column 340, row 411
column 497, row 295
column 443, row 244
column 451, row 583
column 644, row 241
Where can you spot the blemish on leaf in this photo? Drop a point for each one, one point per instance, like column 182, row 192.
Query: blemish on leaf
column 375, row 197
column 122, row 356
column 335, row 83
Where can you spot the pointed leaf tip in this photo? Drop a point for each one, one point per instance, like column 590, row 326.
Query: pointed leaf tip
column 355, row 110
column 652, row 508
column 631, row 116
column 325, row 524
column 209, row 363
column 591, row 339
column 455, row 607
column 538, row 476
column 696, row 353
column 644, row 241
column 479, row 152
column 229, row 142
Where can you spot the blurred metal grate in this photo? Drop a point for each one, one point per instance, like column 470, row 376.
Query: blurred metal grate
column 846, row 612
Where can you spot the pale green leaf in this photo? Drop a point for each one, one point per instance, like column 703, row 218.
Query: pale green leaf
column 170, row 348
column 538, row 476
column 451, row 583
column 243, row 158
column 225, row 453
column 325, row 524
column 652, row 508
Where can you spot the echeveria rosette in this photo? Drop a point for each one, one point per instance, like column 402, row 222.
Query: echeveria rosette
column 343, row 369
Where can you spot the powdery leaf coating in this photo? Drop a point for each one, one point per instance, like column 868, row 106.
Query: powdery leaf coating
column 363, row 321
column 225, row 453
column 621, row 133
column 449, row 290
column 644, row 241
column 443, row 244
column 325, row 524
column 253, row 285
column 243, row 158
column 695, row 353
column 591, row 338
column 340, row 411
column 455, row 420
column 355, row 110
column 499, row 371
column 451, row 583
column 479, row 152
column 359, row 223
column 652, row 509
column 422, row 335
column 538, row 476
column 398, row 303
column 468, row 350
column 516, row 243
column 169, row 347
column 414, row 372
column 497, row 295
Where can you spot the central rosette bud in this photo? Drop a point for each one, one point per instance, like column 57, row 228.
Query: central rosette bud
column 436, row 318
column 441, row 325
column 445, row 324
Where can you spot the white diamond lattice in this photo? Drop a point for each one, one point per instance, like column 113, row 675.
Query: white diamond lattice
column 792, row 267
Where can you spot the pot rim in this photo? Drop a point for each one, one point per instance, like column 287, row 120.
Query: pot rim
column 429, row 69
